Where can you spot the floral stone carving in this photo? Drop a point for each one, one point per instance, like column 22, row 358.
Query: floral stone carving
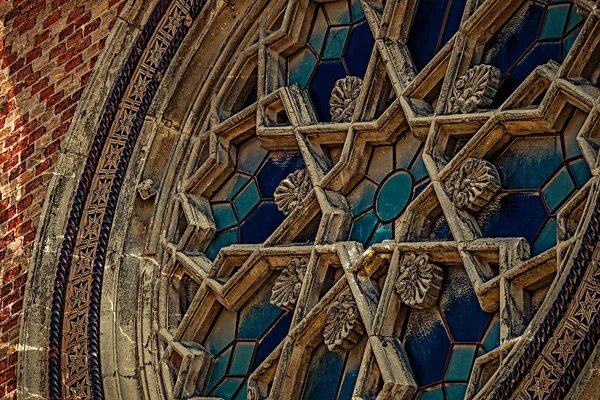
column 343, row 327
column 475, row 90
column 292, row 190
column 473, row 185
column 147, row 188
column 420, row 282
column 287, row 287
column 343, row 98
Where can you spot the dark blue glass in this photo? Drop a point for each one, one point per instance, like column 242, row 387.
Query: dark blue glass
column 272, row 339
column 580, row 171
column 459, row 304
column 324, row 374
column 454, row 17
column 321, row 85
column 516, row 215
column 427, row 25
column 546, row 240
column 277, row 167
column 441, row 230
column 358, row 51
column 427, row 345
column 261, row 223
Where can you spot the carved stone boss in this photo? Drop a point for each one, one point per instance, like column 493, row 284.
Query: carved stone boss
column 474, row 90
column 419, row 281
column 343, row 327
column 474, row 184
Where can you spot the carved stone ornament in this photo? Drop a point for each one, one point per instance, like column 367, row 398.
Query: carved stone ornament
column 474, row 90
column 419, row 283
column 147, row 188
column 343, row 327
column 473, row 185
column 343, row 98
column 287, row 286
column 292, row 190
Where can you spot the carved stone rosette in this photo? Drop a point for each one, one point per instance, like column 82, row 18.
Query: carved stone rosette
column 420, row 282
column 343, row 98
column 343, row 327
column 292, row 190
column 287, row 287
column 474, row 90
column 473, row 186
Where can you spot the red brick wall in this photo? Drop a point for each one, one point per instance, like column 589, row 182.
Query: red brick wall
column 48, row 49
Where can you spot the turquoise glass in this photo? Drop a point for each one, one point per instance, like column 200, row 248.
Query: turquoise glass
column 257, row 315
column 394, row 194
column 418, row 170
column 223, row 215
column 574, row 19
column 301, row 66
column 227, row 388
column 461, row 361
column 317, row 36
column 383, row 232
column 250, row 155
column 246, row 200
column 362, row 197
column 222, row 332
column 336, row 39
column 558, row 189
column 231, row 187
column 337, row 12
column 554, row 21
column 324, row 373
column 570, row 40
column 357, row 11
column 242, row 393
column 491, row 340
column 241, row 358
column 218, row 370
column 455, row 391
column 580, row 171
column 547, row 238
column 222, row 239
column 571, row 131
column 363, row 227
column 434, row 393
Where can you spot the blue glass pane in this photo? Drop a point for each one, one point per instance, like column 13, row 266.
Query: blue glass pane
column 546, row 240
column 574, row 19
column 223, row 214
column 242, row 393
column 301, row 67
column 554, row 21
column 222, row 239
column 381, row 164
column 382, row 233
column 427, row 345
column 261, row 223
column 357, row 10
column 434, row 393
column 528, row 162
column 324, row 373
column 461, row 361
column 456, row 391
column 441, row 230
column 363, row 227
column 491, row 340
column 272, row 339
column 246, row 200
column 231, row 187
column 218, row 370
column 358, row 51
column 250, row 155
column 454, row 17
column 242, row 356
column 580, row 171
column 354, row 358
column 418, row 170
column 569, row 40
column 337, row 12
column 228, row 388
column 336, row 39
column 258, row 314
column 516, row 215
column 557, row 190
column 394, row 194
column 362, row 197
column 420, row 187
column 222, row 333
column 327, row 73
column 317, row 36
column 278, row 166
column 425, row 31
column 570, row 134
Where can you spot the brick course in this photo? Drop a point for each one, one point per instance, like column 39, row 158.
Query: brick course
column 48, row 49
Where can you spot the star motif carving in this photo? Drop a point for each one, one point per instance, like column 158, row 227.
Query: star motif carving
column 139, row 88
column 541, row 385
column 113, row 157
column 77, row 327
column 93, row 225
column 79, row 391
column 79, row 297
column 102, row 192
column 156, row 54
column 173, row 23
column 126, row 121
column 78, row 360
column 565, row 346
column 588, row 307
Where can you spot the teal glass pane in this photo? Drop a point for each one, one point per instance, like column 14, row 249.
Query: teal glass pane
column 242, row 355
column 406, row 149
column 228, row 388
column 557, row 190
column 334, row 45
column 569, row 40
column 222, row 332
column 301, row 67
column 337, row 12
column 461, row 361
column 231, row 187
column 324, row 373
column 456, row 391
column 242, row 394
column 434, row 393
column 362, row 197
column 363, row 227
column 246, row 200
column 223, row 239
column 546, row 240
column 382, row 233
column 491, row 340
column 528, row 162
column 574, row 19
column 218, row 370
column 250, row 155
column 317, row 36
column 554, row 21
column 357, row 10
column 382, row 163
column 570, row 134
column 580, row 171
column 418, row 170
column 223, row 215
column 257, row 315
column 354, row 358
column 394, row 195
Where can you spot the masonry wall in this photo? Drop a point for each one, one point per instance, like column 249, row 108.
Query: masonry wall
column 48, row 49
